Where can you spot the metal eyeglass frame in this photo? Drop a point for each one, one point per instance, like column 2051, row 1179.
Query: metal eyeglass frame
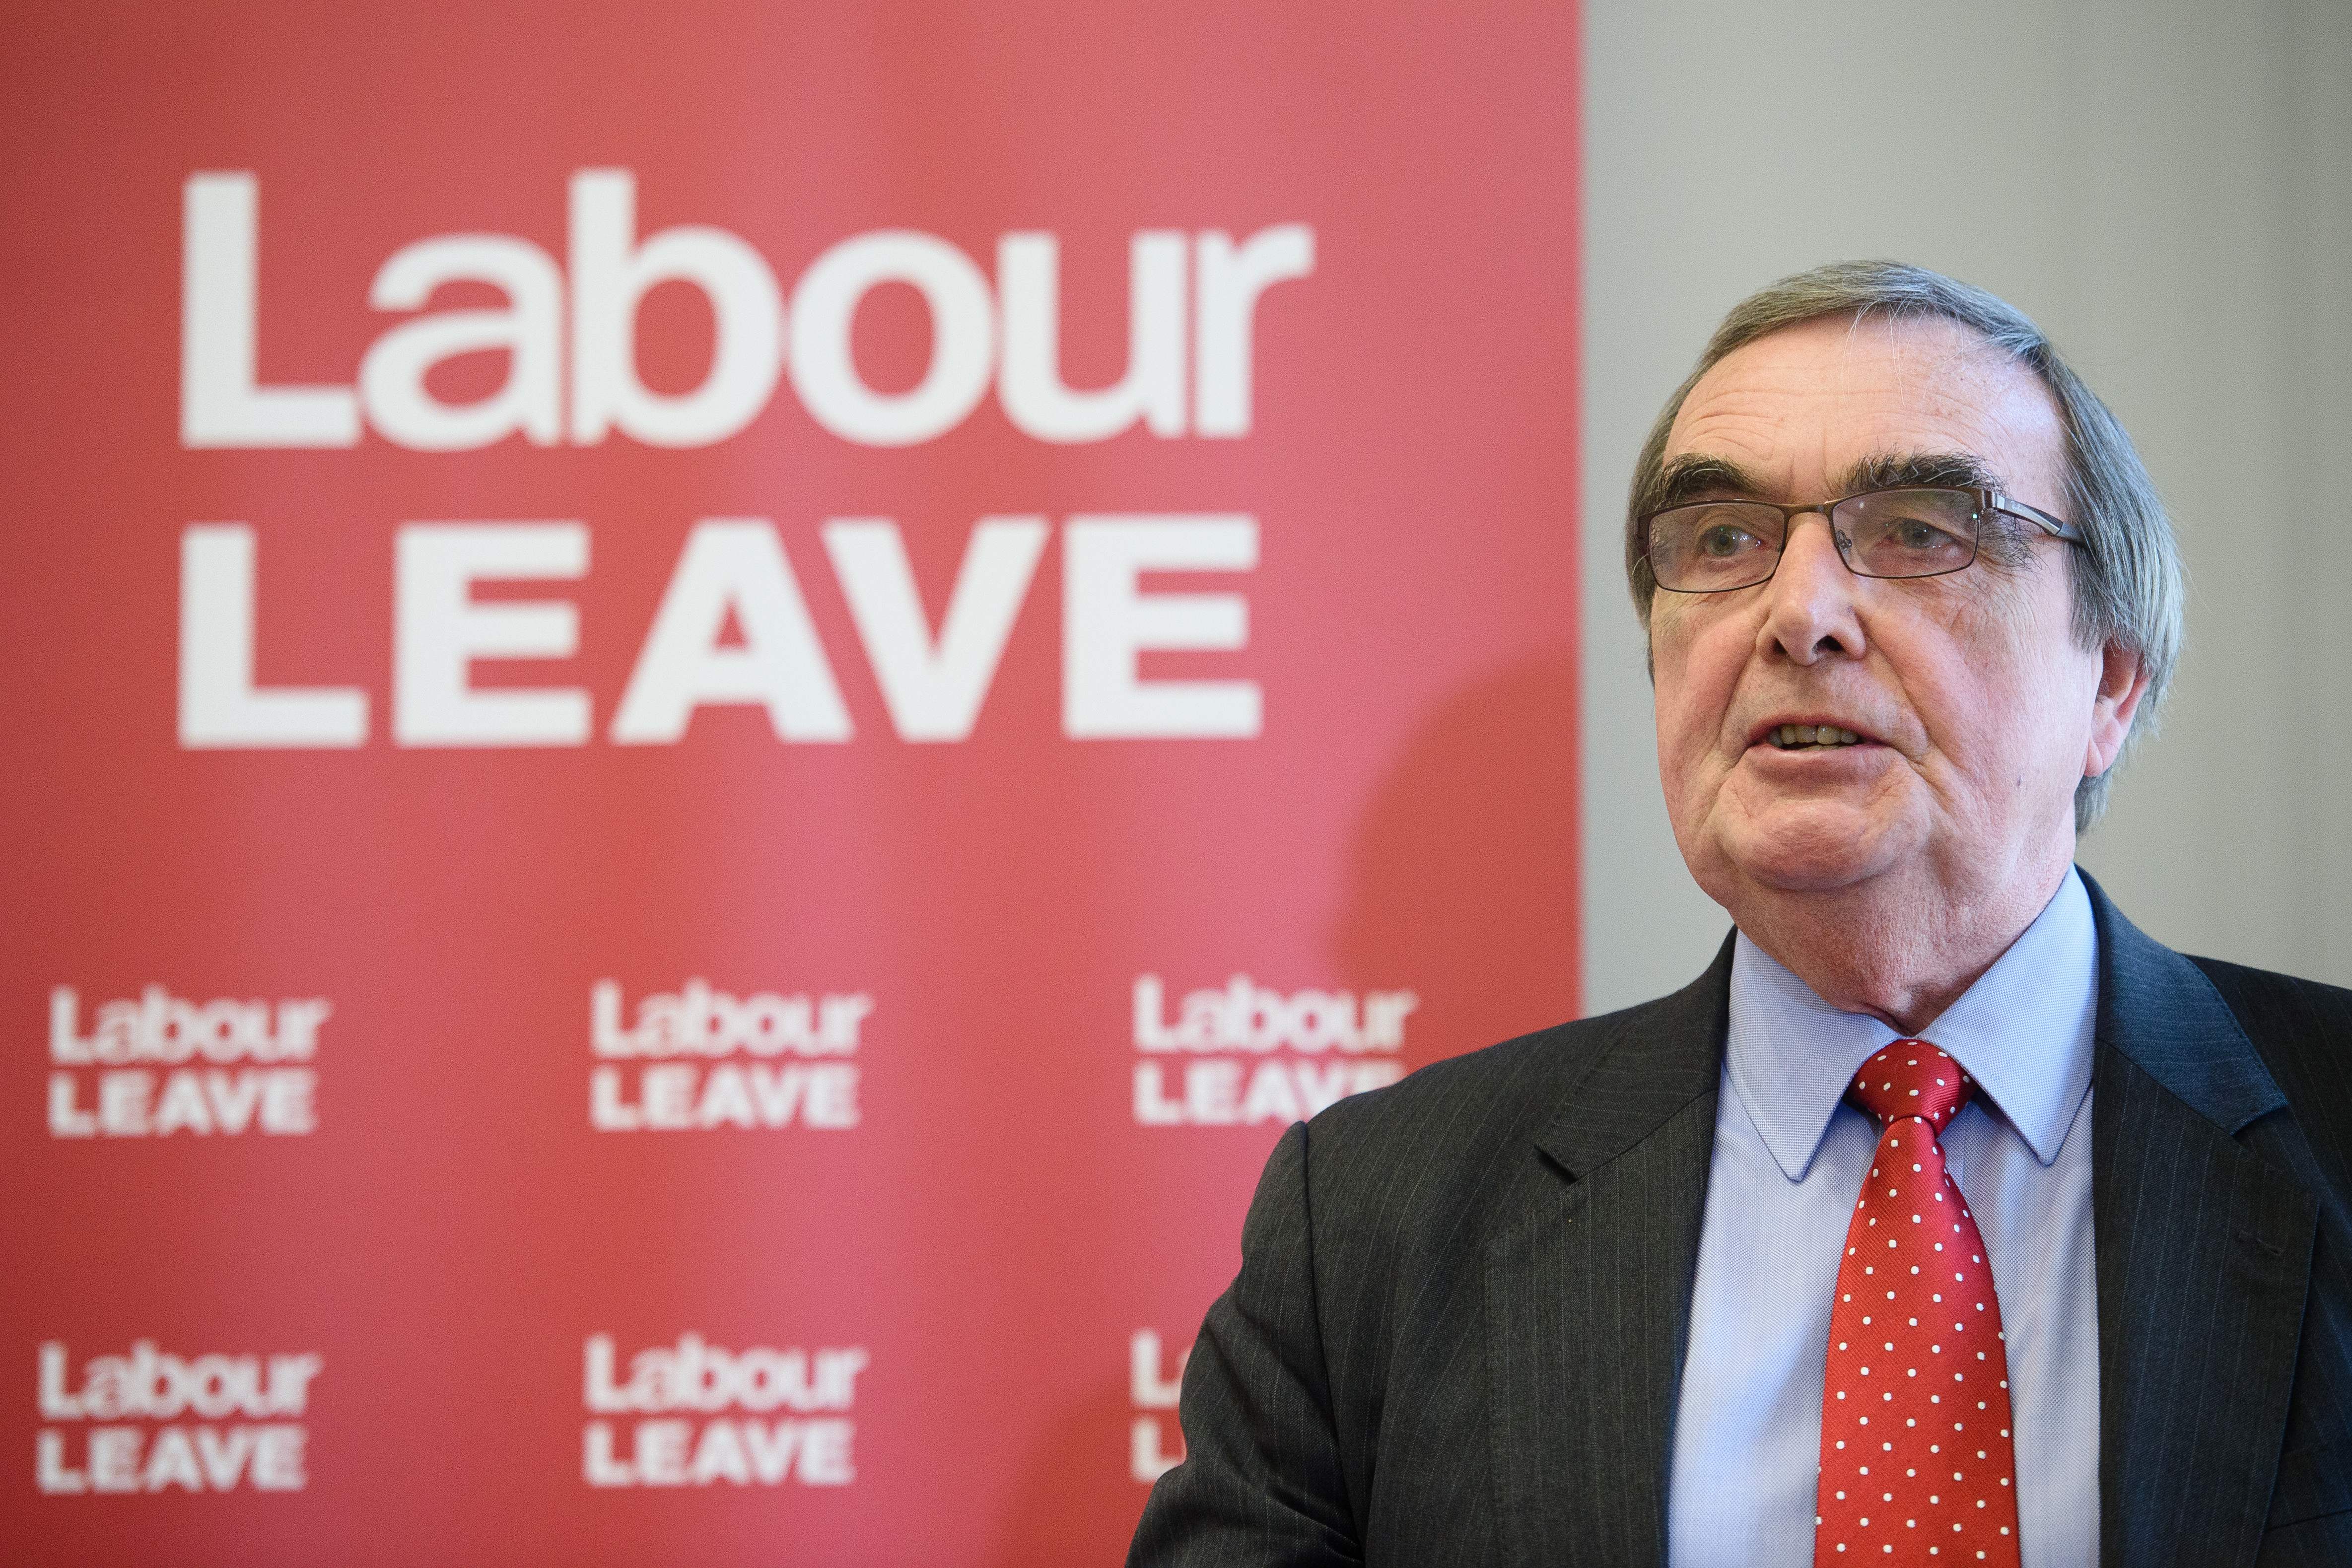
column 1986, row 498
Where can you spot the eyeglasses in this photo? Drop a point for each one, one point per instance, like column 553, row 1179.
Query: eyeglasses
column 1712, row 547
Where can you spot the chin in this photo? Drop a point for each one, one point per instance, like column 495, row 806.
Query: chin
column 1807, row 851
column 1797, row 876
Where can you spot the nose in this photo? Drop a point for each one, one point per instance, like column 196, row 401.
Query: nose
column 1811, row 608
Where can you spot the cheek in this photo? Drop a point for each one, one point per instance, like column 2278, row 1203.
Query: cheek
column 1980, row 728
column 1696, row 666
column 2007, row 693
column 2065, row 689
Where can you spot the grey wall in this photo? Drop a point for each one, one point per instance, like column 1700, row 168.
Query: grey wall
column 2167, row 187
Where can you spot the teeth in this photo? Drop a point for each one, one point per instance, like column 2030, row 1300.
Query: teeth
column 1791, row 736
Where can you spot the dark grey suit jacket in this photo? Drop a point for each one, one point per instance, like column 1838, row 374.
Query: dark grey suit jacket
column 1457, row 1333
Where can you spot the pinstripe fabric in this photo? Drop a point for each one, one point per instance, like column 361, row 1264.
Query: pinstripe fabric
column 1457, row 1333
column 1586, row 1305
column 2216, row 1277
column 2310, row 1517
column 1407, row 1368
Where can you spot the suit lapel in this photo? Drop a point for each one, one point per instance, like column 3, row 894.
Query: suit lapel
column 2204, row 1257
column 1587, row 1290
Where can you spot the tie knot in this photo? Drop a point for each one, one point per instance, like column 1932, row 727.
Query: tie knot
column 1911, row 1078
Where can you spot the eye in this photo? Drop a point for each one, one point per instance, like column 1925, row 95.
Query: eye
column 1721, row 541
column 1919, row 534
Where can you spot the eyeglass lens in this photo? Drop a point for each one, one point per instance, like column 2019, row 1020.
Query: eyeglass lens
column 1712, row 546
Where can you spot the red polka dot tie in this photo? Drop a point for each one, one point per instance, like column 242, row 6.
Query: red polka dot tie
column 1916, row 1452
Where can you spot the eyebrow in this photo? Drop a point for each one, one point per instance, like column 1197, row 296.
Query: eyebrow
column 1898, row 471
column 1698, row 477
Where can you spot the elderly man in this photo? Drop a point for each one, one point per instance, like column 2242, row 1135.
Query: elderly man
column 1947, row 1218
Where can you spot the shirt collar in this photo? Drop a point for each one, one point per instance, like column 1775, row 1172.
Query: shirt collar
column 2023, row 1032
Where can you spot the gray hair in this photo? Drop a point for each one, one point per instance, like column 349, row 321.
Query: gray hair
column 2127, row 584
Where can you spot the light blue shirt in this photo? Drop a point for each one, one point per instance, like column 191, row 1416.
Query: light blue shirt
column 1788, row 1159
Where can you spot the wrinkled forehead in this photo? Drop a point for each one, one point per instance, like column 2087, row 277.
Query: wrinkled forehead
column 1801, row 410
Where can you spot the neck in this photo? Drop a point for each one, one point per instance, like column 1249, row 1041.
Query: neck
column 1902, row 955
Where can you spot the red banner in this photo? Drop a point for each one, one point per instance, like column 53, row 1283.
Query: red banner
column 713, row 712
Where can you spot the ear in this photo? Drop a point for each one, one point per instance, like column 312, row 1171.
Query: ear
column 2122, row 683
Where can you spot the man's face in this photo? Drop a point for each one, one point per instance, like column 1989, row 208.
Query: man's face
column 1979, row 711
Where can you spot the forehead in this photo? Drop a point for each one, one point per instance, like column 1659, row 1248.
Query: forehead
column 1800, row 407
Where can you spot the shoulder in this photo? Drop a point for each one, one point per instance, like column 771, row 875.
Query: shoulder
column 1510, row 1083
column 2303, row 1031
column 2266, row 1002
column 2232, row 1042
column 1452, row 1140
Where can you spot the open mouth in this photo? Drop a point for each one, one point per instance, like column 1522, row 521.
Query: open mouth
column 1812, row 737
